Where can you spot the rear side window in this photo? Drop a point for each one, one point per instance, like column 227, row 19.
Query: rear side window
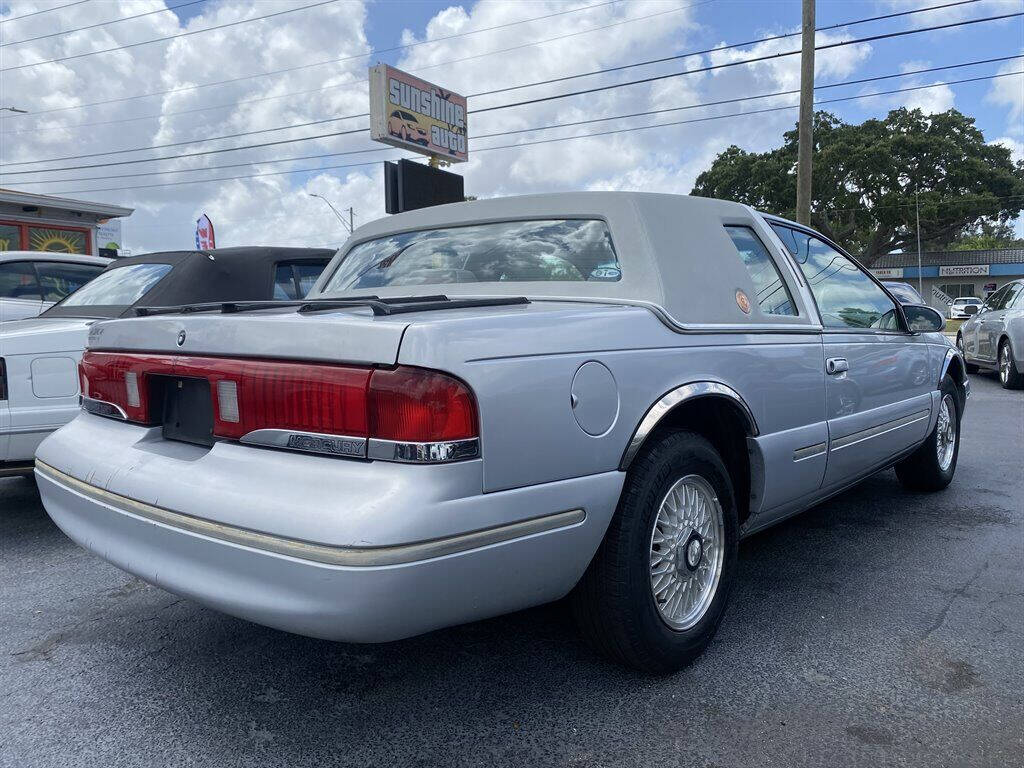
column 294, row 280
column 772, row 295
column 121, row 287
column 846, row 296
column 18, row 281
column 58, row 279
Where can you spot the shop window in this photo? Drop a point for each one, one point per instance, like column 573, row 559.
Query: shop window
column 958, row 290
column 56, row 240
column 10, row 238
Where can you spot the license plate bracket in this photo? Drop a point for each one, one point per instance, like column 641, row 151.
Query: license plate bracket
column 187, row 409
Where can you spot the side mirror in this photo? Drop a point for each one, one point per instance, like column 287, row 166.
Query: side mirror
column 971, row 309
column 923, row 319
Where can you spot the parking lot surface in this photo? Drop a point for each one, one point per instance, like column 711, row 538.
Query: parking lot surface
column 880, row 628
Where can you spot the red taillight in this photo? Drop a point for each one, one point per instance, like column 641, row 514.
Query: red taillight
column 406, row 405
column 418, row 406
column 106, row 376
column 305, row 397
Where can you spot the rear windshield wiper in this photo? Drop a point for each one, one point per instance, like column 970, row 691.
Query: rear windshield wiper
column 229, row 307
column 402, row 304
column 394, row 305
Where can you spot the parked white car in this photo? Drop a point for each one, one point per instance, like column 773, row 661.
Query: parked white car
column 32, row 281
column 39, row 356
column 956, row 309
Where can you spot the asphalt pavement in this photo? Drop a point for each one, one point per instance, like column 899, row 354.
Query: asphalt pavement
column 881, row 628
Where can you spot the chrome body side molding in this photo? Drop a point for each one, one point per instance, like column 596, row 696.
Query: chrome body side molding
column 802, row 454
column 353, row 557
column 671, row 399
column 877, row 431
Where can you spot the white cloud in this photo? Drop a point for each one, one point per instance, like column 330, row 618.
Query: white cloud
column 1016, row 147
column 277, row 208
column 1009, row 92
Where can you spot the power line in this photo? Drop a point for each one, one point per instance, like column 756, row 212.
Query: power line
column 191, row 154
column 554, row 97
column 101, row 24
column 731, row 46
column 358, row 81
column 721, row 102
column 541, row 141
column 189, row 33
column 287, row 69
column 767, row 57
column 44, row 10
column 490, row 53
column 194, row 141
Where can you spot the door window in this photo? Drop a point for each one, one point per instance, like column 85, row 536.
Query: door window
column 1013, row 290
column 58, row 279
column 18, row 281
column 772, row 295
column 993, row 301
column 846, row 296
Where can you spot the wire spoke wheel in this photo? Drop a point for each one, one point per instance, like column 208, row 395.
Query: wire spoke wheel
column 686, row 552
column 945, row 433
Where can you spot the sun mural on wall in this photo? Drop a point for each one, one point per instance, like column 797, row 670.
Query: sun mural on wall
column 56, row 240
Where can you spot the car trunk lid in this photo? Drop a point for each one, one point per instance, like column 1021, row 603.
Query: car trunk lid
column 350, row 335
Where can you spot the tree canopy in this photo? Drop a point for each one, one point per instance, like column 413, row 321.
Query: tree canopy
column 866, row 176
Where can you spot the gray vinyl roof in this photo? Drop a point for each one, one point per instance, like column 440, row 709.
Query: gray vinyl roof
column 674, row 251
column 951, row 258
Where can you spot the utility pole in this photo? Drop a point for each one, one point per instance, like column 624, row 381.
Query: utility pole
column 917, row 213
column 805, row 145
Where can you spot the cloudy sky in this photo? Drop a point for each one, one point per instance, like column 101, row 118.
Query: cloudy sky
column 292, row 78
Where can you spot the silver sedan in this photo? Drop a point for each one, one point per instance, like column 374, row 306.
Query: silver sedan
column 993, row 336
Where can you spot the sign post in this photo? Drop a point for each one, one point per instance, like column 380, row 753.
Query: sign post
column 412, row 114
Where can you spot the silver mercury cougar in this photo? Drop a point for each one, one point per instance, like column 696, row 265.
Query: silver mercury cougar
column 491, row 405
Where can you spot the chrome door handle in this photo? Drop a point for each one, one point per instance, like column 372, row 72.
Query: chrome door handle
column 836, row 365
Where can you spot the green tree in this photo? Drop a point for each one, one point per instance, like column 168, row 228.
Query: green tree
column 865, row 178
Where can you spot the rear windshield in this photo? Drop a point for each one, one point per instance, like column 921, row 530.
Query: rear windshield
column 562, row 250
column 121, row 286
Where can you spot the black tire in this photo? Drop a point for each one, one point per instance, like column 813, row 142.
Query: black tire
column 614, row 603
column 1009, row 377
column 969, row 367
column 923, row 470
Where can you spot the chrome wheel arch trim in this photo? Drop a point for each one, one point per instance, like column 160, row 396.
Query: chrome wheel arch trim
column 948, row 361
column 675, row 397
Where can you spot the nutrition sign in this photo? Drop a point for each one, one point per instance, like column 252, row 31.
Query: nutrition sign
column 413, row 114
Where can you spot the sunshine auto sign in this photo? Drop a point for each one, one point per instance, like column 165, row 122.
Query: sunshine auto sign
column 413, row 114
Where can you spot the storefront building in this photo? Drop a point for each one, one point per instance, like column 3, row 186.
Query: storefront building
column 953, row 273
column 30, row 222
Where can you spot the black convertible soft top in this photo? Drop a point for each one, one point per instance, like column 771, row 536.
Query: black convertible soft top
column 244, row 273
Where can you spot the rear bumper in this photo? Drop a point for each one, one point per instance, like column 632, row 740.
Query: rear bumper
column 349, row 592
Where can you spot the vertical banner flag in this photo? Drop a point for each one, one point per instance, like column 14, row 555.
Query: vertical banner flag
column 204, row 234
